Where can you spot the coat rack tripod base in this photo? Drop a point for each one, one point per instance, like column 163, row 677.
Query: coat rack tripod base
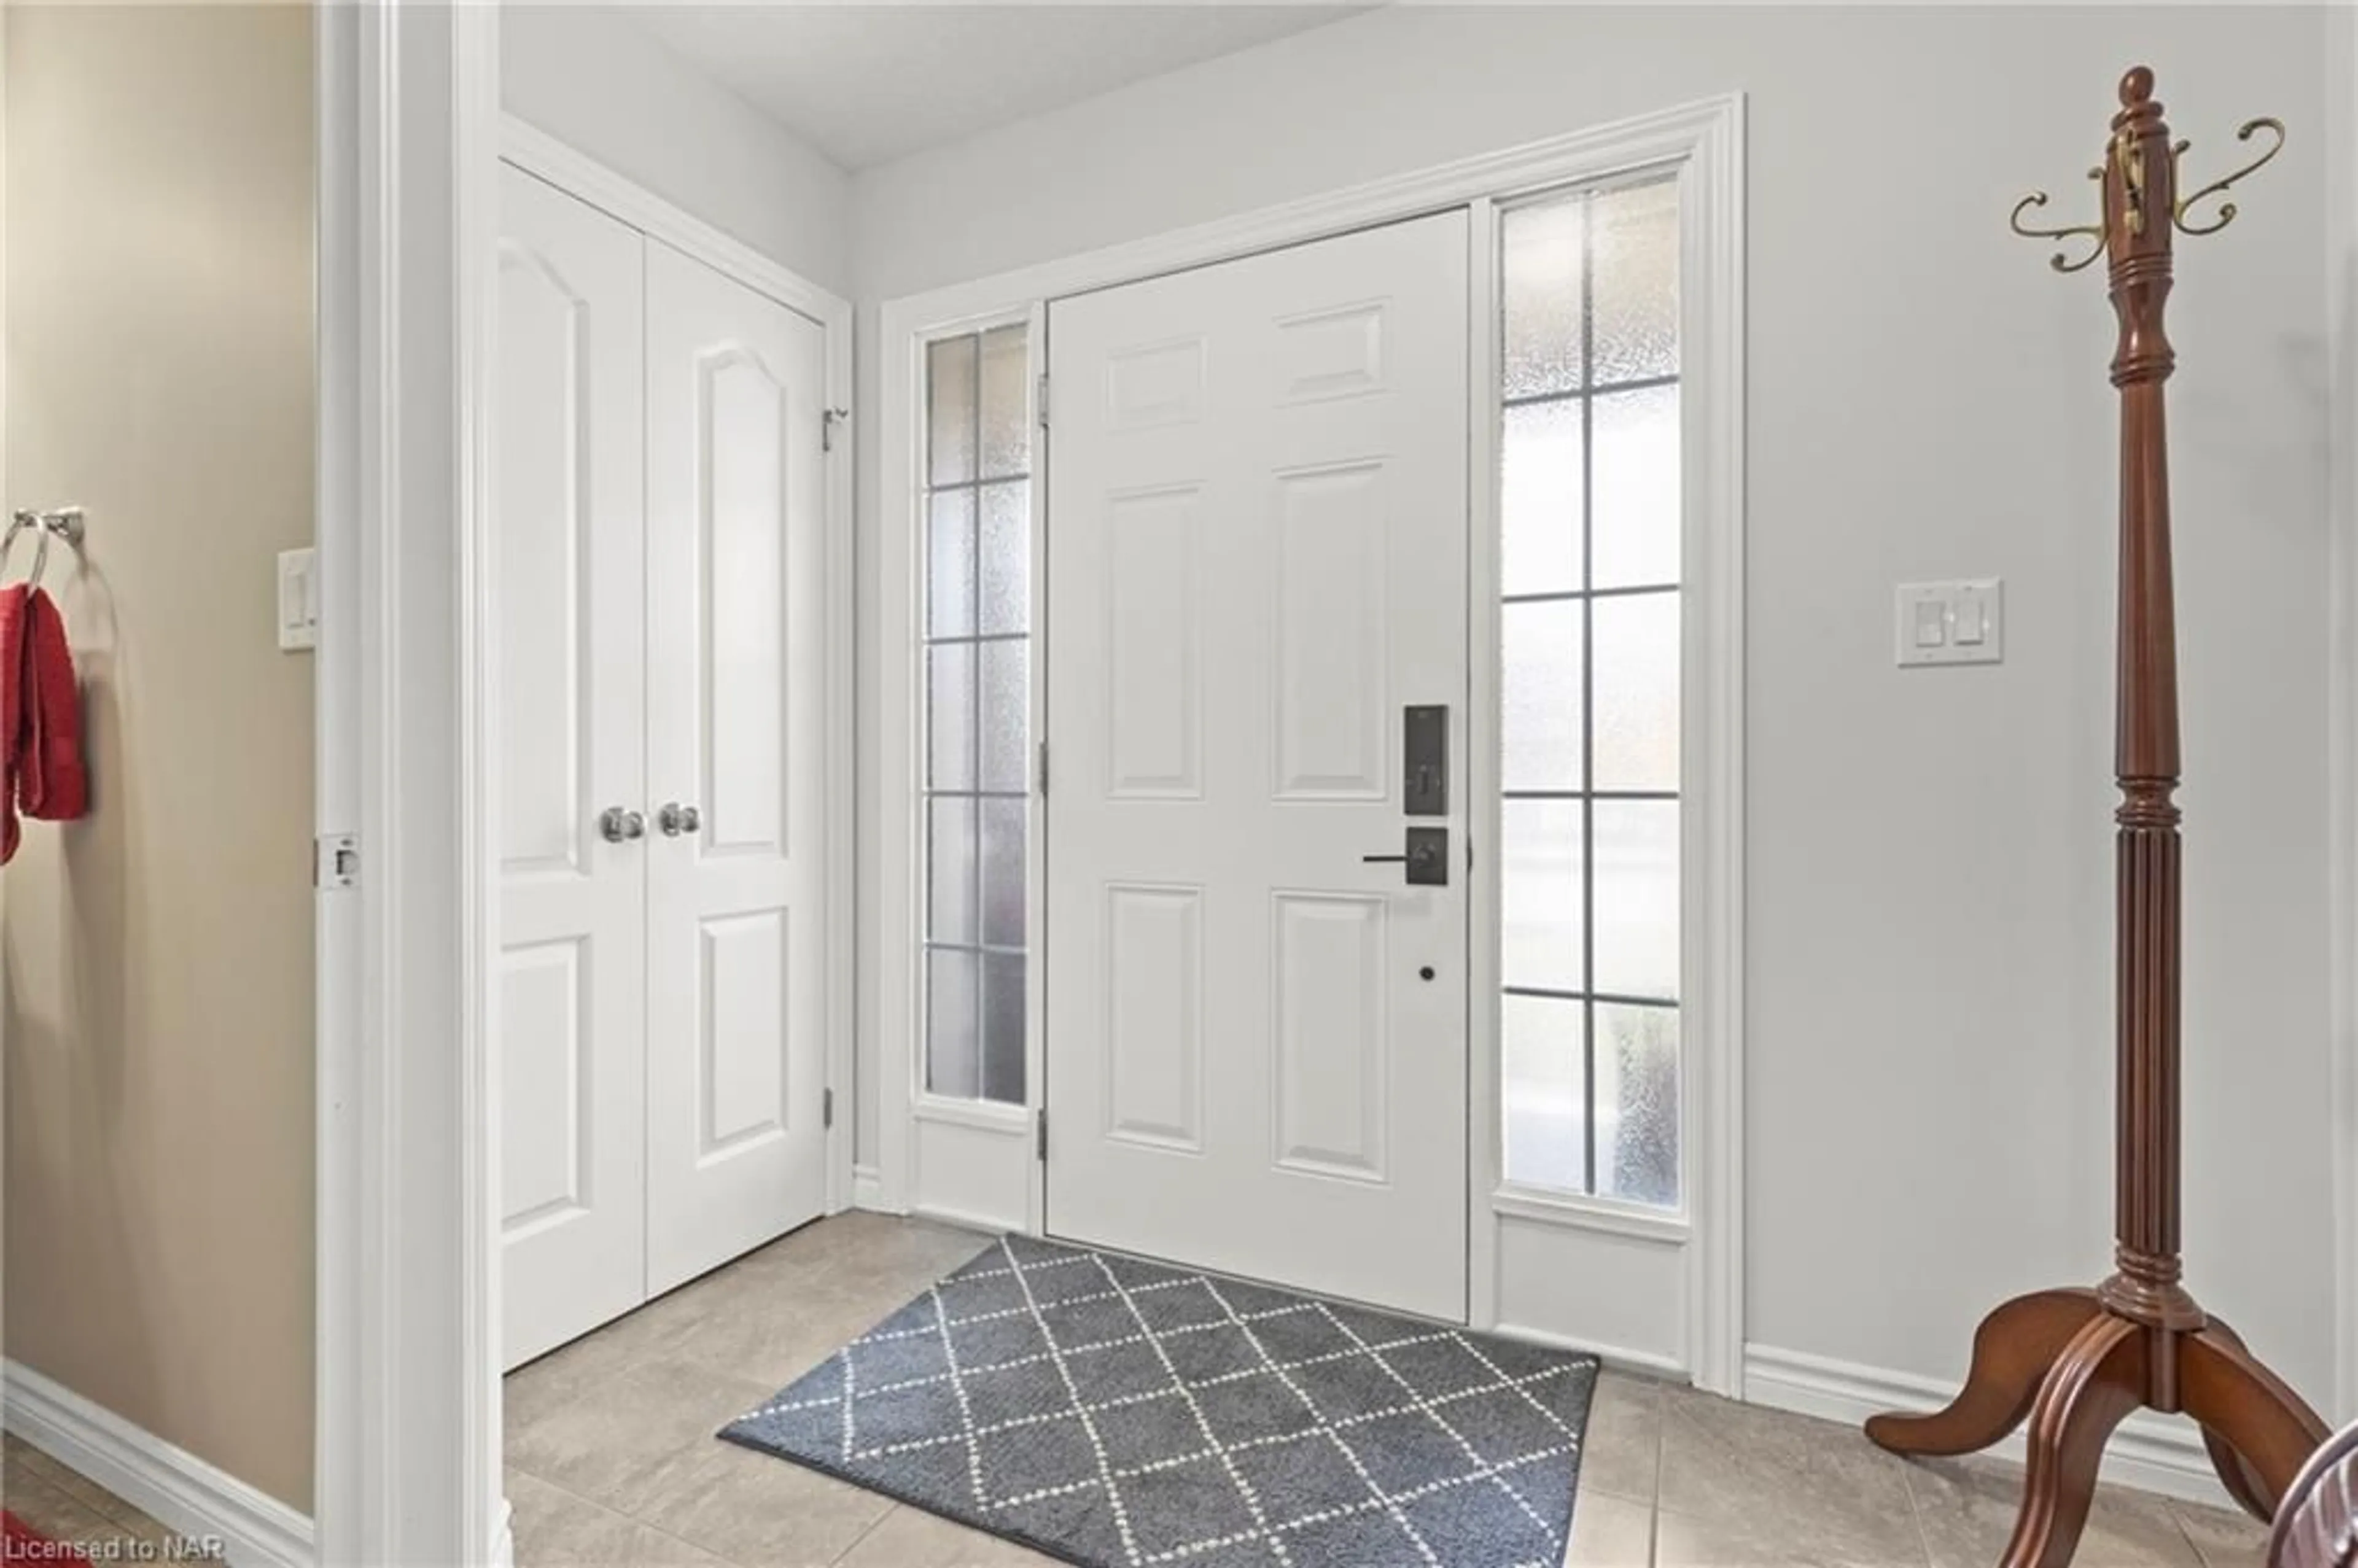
column 2075, row 1365
column 2075, row 1362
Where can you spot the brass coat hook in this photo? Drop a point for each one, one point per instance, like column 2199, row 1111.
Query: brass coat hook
column 2139, row 183
column 2059, row 261
column 2227, row 208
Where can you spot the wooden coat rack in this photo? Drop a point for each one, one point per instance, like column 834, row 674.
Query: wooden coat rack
column 2076, row 1362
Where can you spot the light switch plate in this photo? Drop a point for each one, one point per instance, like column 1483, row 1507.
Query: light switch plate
column 298, row 600
column 1957, row 623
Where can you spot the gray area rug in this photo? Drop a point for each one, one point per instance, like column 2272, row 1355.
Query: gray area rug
column 1114, row 1412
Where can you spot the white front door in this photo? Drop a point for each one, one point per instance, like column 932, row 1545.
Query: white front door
column 571, row 973
column 736, row 1053
column 1257, row 546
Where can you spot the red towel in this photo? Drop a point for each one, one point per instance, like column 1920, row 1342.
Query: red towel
column 41, row 717
column 54, row 786
column 12, row 710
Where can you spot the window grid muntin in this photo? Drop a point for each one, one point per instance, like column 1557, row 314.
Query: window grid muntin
column 977, row 486
column 1585, row 393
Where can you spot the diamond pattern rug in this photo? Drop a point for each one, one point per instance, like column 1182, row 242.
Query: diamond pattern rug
column 1115, row 1413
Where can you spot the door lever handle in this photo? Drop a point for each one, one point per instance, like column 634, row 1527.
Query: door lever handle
column 1426, row 855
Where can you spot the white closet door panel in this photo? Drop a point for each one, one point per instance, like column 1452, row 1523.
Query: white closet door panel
column 568, row 474
column 1256, row 541
column 736, row 1057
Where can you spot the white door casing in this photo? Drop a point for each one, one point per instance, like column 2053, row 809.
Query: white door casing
column 736, row 567
column 572, row 978
column 1257, row 544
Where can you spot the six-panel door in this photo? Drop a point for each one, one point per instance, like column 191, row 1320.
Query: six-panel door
column 1257, row 530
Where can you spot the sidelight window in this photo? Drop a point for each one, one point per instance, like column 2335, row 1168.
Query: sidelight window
column 1590, row 714
column 976, row 633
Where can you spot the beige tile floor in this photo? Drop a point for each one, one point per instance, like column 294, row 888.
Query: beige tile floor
column 70, row 1509
column 610, row 1457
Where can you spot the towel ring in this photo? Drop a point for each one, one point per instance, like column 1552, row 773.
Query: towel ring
column 66, row 523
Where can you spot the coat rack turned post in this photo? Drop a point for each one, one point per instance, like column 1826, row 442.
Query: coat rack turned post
column 2076, row 1362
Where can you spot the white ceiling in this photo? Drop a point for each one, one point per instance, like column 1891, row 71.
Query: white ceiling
column 868, row 84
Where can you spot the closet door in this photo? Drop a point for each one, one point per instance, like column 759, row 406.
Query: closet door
column 568, row 459
column 736, row 1064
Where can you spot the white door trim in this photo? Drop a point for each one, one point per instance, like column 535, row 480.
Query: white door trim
column 1706, row 140
column 408, row 1400
column 409, row 1428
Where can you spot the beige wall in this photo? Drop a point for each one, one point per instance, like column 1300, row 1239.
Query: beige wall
column 157, row 955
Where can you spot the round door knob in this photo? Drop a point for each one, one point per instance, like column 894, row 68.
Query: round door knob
column 675, row 819
column 617, row 826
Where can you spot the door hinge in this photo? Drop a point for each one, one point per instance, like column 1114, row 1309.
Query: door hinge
column 336, row 861
column 1044, row 767
column 1044, row 400
column 1043, row 1114
column 826, row 1108
column 828, row 422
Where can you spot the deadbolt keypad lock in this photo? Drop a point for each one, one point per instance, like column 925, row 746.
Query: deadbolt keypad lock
column 1426, row 855
column 1424, row 761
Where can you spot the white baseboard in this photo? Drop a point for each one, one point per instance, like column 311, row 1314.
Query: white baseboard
column 504, row 1544
column 867, row 1187
column 2150, row 1452
column 170, row 1484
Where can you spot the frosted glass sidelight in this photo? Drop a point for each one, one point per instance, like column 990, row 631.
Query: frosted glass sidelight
column 1002, row 873
column 953, row 1046
column 1637, row 1103
column 1543, row 1051
column 1634, row 288
column 1003, row 1027
column 1590, row 522
column 1634, row 687
column 949, row 711
column 1634, row 489
column 1539, row 278
column 950, row 411
column 1006, row 716
column 1006, row 411
column 951, row 865
column 1006, row 557
column 1540, row 499
column 949, row 564
column 978, row 711
column 1634, row 856
column 1541, row 694
column 1542, row 888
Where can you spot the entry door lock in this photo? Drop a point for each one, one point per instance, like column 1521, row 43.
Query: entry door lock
column 1426, row 857
column 1424, row 761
